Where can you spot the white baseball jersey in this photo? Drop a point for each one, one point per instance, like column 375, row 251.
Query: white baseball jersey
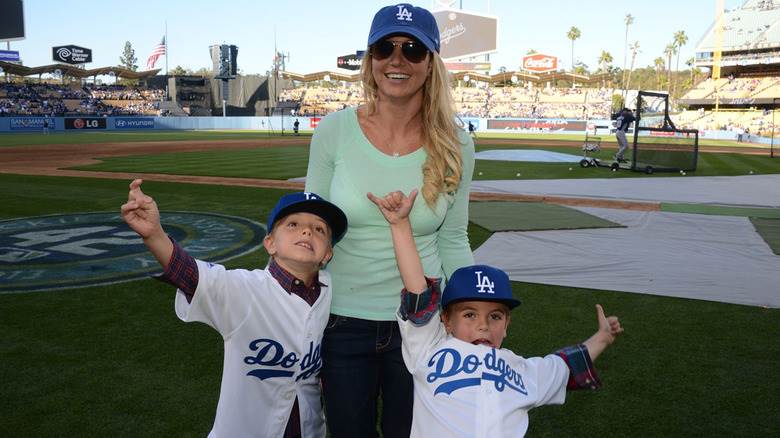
column 465, row 390
column 272, row 349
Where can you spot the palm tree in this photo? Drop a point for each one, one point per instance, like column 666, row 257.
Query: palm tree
column 690, row 62
column 659, row 68
column 669, row 51
column 605, row 60
column 573, row 34
column 634, row 50
column 629, row 21
column 680, row 39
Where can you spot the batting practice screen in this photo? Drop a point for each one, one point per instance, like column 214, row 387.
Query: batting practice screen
column 658, row 144
column 665, row 149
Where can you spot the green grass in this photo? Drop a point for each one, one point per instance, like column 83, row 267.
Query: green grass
column 115, row 361
column 290, row 162
column 270, row 163
column 769, row 230
column 34, row 138
column 709, row 164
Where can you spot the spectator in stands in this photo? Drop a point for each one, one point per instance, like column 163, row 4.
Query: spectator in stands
column 404, row 137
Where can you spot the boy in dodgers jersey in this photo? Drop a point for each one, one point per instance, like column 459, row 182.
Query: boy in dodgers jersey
column 465, row 384
column 271, row 319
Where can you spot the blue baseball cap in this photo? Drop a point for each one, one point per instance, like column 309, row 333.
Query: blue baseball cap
column 406, row 19
column 307, row 202
column 479, row 283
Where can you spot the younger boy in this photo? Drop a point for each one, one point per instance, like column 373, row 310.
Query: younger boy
column 271, row 319
column 465, row 384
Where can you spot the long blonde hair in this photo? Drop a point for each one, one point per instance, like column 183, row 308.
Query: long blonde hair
column 443, row 167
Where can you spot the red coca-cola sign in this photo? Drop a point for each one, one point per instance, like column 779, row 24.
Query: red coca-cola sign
column 540, row 63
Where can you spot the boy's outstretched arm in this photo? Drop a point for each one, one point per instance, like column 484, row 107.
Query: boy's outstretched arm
column 141, row 214
column 395, row 207
column 609, row 328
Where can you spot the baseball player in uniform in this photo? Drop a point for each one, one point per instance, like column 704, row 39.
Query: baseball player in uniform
column 271, row 319
column 465, row 384
column 624, row 120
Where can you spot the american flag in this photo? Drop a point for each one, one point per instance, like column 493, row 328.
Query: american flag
column 156, row 53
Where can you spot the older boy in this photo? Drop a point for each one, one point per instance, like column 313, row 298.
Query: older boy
column 465, row 384
column 271, row 319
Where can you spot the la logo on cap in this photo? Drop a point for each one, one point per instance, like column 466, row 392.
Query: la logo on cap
column 484, row 285
column 403, row 13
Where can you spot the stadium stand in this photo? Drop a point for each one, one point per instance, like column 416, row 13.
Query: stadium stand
column 742, row 98
column 65, row 100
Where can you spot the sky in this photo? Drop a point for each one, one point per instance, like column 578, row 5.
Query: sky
column 314, row 33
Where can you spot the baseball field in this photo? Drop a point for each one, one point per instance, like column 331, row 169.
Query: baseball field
column 105, row 355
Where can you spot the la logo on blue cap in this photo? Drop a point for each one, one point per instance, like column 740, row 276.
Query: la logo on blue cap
column 403, row 13
column 484, row 285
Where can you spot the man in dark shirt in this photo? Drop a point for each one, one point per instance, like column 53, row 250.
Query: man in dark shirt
column 622, row 123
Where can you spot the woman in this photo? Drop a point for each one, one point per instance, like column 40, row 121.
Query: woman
column 404, row 137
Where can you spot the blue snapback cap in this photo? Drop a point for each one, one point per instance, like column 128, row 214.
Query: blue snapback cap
column 479, row 283
column 406, row 19
column 307, row 202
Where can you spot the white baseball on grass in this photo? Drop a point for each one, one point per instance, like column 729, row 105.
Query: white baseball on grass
column 480, row 173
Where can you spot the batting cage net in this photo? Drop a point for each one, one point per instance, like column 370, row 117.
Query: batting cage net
column 658, row 145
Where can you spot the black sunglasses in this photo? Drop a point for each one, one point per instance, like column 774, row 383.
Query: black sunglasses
column 413, row 51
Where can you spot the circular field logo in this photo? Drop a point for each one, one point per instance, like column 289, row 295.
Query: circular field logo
column 88, row 249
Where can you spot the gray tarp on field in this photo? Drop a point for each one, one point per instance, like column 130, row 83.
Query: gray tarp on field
column 716, row 258
column 751, row 190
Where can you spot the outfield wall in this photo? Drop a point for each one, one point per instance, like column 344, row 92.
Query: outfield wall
column 277, row 123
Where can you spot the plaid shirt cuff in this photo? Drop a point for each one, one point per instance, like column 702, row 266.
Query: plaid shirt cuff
column 420, row 308
column 182, row 271
column 582, row 374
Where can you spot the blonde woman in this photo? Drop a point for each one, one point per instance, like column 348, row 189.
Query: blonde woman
column 404, row 137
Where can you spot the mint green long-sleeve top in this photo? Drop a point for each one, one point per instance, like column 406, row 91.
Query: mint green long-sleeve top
column 343, row 167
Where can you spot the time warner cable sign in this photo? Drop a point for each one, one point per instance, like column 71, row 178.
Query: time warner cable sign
column 71, row 54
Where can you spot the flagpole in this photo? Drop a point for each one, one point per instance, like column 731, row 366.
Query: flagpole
column 167, row 93
column 166, row 47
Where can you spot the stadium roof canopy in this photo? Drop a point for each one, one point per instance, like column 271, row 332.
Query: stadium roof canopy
column 73, row 71
column 754, row 25
column 502, row 77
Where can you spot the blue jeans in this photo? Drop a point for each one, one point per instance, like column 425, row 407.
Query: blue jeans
column 361, row 362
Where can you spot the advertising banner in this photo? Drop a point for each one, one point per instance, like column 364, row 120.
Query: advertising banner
column 537, row 125
column 314, row 121
column 29, row 123
column 134, row 123
column 9, row 56
column 539, row 63
column 467, row 66
column 71, row 54
column 465, row 34
column 85, row 123
column 349, row 62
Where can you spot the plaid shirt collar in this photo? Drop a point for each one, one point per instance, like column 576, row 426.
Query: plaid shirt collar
column 294, row 285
